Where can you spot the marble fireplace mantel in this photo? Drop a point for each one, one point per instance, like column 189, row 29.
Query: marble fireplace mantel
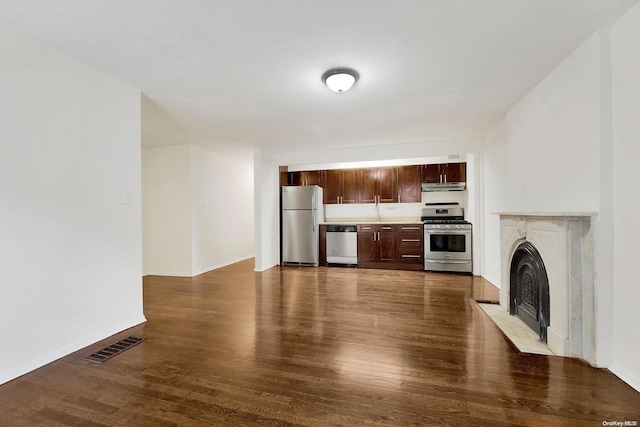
column 565, row 243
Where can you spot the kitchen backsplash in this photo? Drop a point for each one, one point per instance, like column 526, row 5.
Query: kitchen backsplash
column 395, row 210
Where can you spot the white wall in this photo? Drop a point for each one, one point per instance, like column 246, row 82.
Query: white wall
column 554, row 138
column 417, row 150
column 267, row 204
column 222, row 209
column 494, row 188
column 625, row 37
column 70, row 260
column 169, row 230
column 199, row 215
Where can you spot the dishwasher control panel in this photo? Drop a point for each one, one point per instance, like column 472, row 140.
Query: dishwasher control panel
column 342, row 228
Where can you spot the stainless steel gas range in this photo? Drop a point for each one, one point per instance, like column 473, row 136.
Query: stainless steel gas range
column 447, row 238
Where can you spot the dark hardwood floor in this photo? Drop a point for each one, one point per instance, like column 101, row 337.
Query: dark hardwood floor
column 317, row 347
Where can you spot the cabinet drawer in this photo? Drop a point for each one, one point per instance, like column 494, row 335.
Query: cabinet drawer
column 410, row 228
column 409, row 242
column 410, row 237
column 411, row 257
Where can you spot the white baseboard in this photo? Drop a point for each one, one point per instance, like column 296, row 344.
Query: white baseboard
column 166, row 273
column 52, row 356
column 197, row 272
column 626, row 376
column 224, row 264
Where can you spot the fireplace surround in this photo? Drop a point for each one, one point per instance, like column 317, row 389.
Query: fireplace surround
column 564, row 244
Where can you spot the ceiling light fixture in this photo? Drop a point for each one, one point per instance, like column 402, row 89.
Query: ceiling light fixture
column 340, row 79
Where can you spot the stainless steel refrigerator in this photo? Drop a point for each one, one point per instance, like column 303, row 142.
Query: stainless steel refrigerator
column 302, row 213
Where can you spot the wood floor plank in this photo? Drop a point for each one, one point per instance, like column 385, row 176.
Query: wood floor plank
column 317, row 347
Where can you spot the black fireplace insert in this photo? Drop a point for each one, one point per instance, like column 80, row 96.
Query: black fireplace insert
column 529, row 289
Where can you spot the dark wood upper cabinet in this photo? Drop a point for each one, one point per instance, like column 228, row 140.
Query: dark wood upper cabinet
column 398, row 184
column 431, row 173
column 409, row 180
column 331, row 190
column 444, row 172
column 387, row 182
column 378, row 185
column 305, row 178
column 340, row 186
column 367, row 185
column 295, row 178
column 313, row 178
column 284, row 176
column 349, row 186
column 456, row 172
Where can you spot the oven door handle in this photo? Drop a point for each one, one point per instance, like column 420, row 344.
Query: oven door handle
column 448, row 262
column 449, row 232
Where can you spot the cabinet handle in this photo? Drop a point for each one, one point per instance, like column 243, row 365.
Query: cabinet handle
column 386, row 228
column 411, row 228
column 411, row 256
column 410, row 240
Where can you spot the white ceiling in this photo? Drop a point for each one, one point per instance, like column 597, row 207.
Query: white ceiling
column 234, row 73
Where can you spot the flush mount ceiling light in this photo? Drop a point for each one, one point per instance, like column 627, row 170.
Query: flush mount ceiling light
column 340, row 79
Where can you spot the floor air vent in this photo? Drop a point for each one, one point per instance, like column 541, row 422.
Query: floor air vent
column 117, row 348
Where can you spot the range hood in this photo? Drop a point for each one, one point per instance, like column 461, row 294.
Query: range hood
column 443, row 186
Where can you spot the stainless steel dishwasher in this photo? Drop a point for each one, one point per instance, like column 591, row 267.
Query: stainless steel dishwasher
column 342, row 245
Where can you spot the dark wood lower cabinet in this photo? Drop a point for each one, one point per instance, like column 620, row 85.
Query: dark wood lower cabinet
column 391, row 246
column 410, row 243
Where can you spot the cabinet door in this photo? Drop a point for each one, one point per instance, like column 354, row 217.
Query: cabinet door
column 431, row 173
column 387, row 185
column 456, row 172
column 295, row 178
column 349, row 185
column 331, row 189
column 367, row 185
column 366, row 244
column 409, row 180
column 312, row 178
column 284, row 176
column 387, row 243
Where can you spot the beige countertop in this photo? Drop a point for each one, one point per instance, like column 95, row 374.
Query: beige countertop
column 372, row 220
